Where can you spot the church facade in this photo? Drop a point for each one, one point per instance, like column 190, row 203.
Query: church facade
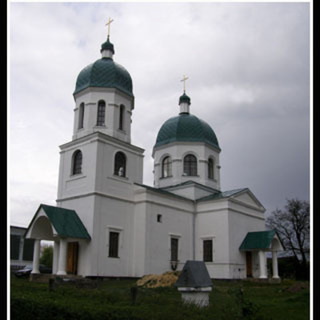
column 107, row 223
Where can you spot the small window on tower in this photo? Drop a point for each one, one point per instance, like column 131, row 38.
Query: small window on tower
column 166, row 167
column 81, row 116
column 120, row 164
column 210, row 168
column 159, row 218
column 77, row 162
column 190, row 165
column 101, row 113
column 121, row 117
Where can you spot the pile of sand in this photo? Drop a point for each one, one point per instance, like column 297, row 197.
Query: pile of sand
column 167, row 279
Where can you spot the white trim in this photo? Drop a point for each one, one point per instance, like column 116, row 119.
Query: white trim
column 207, row 237
column 247, row 214
column 121, row 179
column 175, row 235
column 251, row 195
column 76, row 176
column 103, row 138
column 260, row 208
column 185, row 143
column 89, row 194
column 115, row 228
column 102, row 89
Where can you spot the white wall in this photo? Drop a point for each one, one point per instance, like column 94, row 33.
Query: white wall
column 113, row 99
column 113, row 215
column 212, row 223
column 177, row 217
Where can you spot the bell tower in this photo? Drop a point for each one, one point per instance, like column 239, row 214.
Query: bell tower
column 100, row 158
column 103, row 97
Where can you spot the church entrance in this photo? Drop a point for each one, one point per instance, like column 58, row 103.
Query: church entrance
column 249, row 263
column 72, row 260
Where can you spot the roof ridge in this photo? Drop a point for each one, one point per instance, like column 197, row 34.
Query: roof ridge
column 190, row 182
column 160, row 190
column 222, row 194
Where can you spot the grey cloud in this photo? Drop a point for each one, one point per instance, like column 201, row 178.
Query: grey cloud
column 248, row 68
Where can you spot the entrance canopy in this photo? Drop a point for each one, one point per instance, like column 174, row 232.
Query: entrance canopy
column 261, row 240
column 49, row 222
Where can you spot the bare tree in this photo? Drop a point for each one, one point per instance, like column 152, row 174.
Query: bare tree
column 293, row 226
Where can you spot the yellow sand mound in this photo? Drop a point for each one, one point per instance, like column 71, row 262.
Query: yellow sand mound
column 159, row 280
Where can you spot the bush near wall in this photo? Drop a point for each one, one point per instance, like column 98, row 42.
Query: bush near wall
column 289, row 269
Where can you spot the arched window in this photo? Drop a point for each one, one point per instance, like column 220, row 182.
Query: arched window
column 77, row 162
column 210, row 168
column 120, row 164
column 121, row 117
column 190, row 165
column 101, row 113
column 166, row 167
column 81, row 116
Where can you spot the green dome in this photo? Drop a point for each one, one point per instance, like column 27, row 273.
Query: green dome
column 107, row 46
column 186, row 128
column 104, row 73
column 184, row 98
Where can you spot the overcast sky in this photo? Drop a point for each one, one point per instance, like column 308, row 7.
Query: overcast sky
column 248, row 69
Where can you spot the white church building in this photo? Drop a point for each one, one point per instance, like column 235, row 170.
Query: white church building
column 107, row 223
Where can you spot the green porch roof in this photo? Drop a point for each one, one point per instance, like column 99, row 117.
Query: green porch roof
column 65, row 221
column 257, row 240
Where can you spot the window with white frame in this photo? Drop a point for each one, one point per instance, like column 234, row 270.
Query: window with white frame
column 120, row 164
column 101, row 113
column 207, row 250
column 77, row 162
column 190, row 165
column 174, row 248
column 166, row 167
column 210, row 168
column 121, row 117
column 114, row 244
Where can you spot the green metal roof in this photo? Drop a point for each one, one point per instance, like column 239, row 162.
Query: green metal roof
column 104, row 73
column 257, row 240
column 188, row 182
column 222, row 195
column 187, row 128
column 184, row 98
column 66, row 222
column 107, row 46
column 162, row 191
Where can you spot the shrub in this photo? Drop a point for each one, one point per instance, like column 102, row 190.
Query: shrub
column 47, row 256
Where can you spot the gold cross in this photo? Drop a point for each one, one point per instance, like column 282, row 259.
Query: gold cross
column 184, row 83
column 108, row 24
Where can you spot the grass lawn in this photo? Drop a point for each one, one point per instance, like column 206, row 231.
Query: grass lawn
column 112, row 300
